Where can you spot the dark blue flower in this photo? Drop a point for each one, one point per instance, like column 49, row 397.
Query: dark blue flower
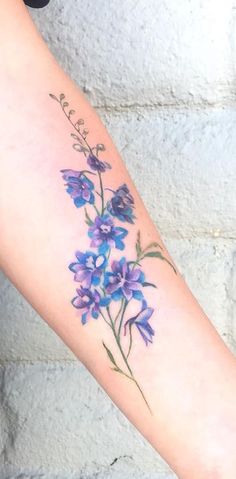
column 121, row 204
column 142, row 324
column 88, row 268
column 79, row 187
column 89, row 302
column 105, row 235
column 124, row 281
column 96, row 164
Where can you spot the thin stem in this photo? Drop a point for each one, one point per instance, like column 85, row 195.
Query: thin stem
column 125, row 359
column 108, row 254
column 122, row 317
column 130, row 341
column 102, row 191
column 105, row 319
column 87, row 216
column 118, row 314
column 96, row 209
column 77, row 131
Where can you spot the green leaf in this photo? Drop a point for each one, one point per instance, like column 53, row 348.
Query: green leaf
column 153, row 245
column 158, row 254
column 154, row 254
column 110, row 355
column 149, row 284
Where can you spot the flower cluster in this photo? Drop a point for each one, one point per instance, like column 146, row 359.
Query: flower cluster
column 102, row 280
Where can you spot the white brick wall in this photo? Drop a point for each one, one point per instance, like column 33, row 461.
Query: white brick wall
column 161, row 74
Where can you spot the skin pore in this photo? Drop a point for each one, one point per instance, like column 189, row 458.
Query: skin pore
column 71, row 231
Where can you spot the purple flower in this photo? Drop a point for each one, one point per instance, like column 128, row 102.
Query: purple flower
column 121, row 204
column 96, row 164
column 79, row 187
column 105, row 235
column 89, row 302
column 142, row 324
column 88, row 268
column 124, row 281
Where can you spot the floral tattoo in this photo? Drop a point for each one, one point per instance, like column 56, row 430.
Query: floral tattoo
column 106, row 287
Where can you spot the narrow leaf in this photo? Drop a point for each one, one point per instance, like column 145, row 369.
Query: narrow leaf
column 153, row 245
column 110, row 355
column 149, row 284
column 154, row 254
column 158, row 254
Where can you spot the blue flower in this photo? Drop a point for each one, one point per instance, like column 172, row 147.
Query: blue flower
column 124, row 281
column 121, row 204
column 89, row 302
column 142, row 324
column 79, row 187
column 105, row 235
column 96, row 164
column 88, row 268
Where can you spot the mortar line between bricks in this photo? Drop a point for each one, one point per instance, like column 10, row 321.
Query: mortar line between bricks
column 165, row 106
column 7, row 362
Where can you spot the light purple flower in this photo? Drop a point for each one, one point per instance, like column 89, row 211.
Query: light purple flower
column 124, row 281
column 79, row 187
column 88, row 268
column 89, row 302
column 105, row 235
column 141, row 322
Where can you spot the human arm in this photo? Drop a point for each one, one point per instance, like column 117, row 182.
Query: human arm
column 183, row 336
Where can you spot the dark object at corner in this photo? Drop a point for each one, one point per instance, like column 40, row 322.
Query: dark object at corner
column 36, row 3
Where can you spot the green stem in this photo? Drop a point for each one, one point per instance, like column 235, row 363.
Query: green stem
column 105, row 319
column 122, row 317
column 96, row 209
column 130, row 341
column 125, row 359
column 120, row 309
column 102, row 191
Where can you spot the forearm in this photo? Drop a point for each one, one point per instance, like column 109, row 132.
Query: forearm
column 186, row 406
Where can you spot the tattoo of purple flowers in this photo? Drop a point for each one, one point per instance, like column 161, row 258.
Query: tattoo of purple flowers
column 79, row 187
column 121, row 205
column 103, row 281
column 104, row 235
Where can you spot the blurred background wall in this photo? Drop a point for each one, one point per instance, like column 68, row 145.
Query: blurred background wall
column 161, row 74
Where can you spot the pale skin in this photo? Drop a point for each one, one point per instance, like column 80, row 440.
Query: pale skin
column 187, row 373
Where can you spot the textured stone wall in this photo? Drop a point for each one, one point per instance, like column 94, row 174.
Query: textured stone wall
column 161, row 74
